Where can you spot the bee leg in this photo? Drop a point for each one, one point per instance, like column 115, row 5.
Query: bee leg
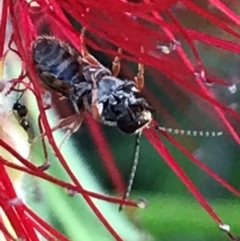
column 116, row 64
column 94, row 107
column 77, row 92
column 95, row 112
column 139, row 78
column 71, row 123
column 74, row 126
column 84, row 51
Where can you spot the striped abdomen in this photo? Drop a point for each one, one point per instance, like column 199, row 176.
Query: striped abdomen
column 58, row 65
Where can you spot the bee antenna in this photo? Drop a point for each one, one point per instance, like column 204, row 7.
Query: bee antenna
column 183, row 132
column 133, row 170
column 20, row 96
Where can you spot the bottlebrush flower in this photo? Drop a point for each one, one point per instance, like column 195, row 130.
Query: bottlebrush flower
column 175, row 36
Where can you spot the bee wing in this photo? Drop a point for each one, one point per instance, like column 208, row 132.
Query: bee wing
column 73, row 122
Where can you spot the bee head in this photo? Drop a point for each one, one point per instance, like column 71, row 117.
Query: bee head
column 136, row 115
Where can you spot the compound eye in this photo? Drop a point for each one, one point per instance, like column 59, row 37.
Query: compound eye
column 137, row 108
column 127, row 125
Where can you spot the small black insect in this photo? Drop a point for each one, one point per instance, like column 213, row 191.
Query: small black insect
column 91, row 86
column 21, row 111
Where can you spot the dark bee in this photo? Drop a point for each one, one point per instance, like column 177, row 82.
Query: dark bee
column 21, row 111
column 91, row 86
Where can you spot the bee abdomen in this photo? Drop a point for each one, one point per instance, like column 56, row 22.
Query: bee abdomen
column 56, row 60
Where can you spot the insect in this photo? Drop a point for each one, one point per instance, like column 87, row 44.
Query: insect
column 91, row 86
column 21, row 111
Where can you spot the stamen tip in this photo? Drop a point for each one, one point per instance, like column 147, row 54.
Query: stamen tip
column 71, row 192
column 142, row 203
column 232, row 89
column 164, row 49
column 15, row 202
column 45, row 166
column 224, row 227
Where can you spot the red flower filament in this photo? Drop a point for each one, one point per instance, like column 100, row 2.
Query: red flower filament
column 158, row 28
